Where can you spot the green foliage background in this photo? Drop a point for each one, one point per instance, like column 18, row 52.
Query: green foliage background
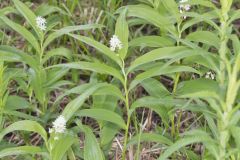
column 171, row 92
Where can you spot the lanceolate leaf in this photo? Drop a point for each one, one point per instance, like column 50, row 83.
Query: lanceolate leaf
column 29, row 16
column 181, row 143
column 150, row 15
column 100, row 47
column 7, row 10
column 154, row 103
column 61, row 146
column 25, row 125
column 21, row 151
column 46, row 9
column 160, row 71
column 121, row 30
column 103, row 114
column 60, row 52
column 204, row 3
column 151, row 41
column 91, row 147
column 206, row 37
column 207, row 17
column 150, row 137
column 67, row 30
column 155, row 88
column 106, row 89
column 75, row 104
column 22, row 31
column 158, row 54
column 14, row 55
column 95, row 67
column 198, row 88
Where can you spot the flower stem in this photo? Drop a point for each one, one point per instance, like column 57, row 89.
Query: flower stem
column 128, row 120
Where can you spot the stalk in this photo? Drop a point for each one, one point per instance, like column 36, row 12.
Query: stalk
column 227, row 107
column 128, row 119
column 176, row 80
column 1, row 96
column 126, row 91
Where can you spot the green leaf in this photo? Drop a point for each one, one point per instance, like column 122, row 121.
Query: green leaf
column 61, row 146
column 199, row 88
column 14, row 55
column 22, row 115
column 21, row 151
column 172, row 7
column 157, row 104
column 16, row 102
column 108, row 130
column 205, row 59
column 155, row 88
column 150, row 137
column 207, row 17
column 29, row 16
column 37, row 80
column 91, row 147
column 150, row 15
column 154, row 103
column 235, row 133
column 234, row 15
column 205, row 37
column 151, row 41
column 181, row 143
column 61, row 52
column 160, row 71
column 25, row 125
column 103, row 114
column 22, row 31
column 66, row 30
column 7, row 10
column 161, row 53
column 100, row 47
column 95, row 67
column 45, row 9
column 110, row 90
column 121, row 30
column 75, row 104
column 204, row 3
column 54, row 75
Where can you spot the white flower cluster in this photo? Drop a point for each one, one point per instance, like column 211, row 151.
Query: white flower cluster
column 41, row 23
column 115, row 43
column 210, row 75
column 59, row 126
column 184, row 7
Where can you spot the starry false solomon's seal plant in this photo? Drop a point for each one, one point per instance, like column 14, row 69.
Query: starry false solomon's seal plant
column 36, row 56
column 144, row 68
column 31, row 75
column 187, row 63
column 215, row 98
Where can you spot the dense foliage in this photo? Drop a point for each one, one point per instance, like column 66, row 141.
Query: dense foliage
column 148, row 79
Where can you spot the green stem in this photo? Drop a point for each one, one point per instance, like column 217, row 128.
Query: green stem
column 176, row 80
column 126, row 91
column 128, row 120
column 227, row 109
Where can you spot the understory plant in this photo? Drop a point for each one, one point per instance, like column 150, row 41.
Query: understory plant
column 81, row 106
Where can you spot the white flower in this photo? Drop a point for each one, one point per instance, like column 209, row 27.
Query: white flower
column 41, row 23
column 115, row 43
column 184, row 7
column 210, row 75
column 59, row 124
column 50, row 130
